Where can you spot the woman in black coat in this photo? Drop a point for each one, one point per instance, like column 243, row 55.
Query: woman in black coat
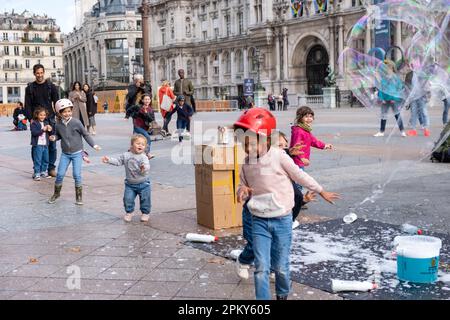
column 91, row 107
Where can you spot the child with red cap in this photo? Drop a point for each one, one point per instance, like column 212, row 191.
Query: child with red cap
column 266, row 182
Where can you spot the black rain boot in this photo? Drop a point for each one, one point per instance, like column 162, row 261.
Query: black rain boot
column 56, row 194
column 79, row 195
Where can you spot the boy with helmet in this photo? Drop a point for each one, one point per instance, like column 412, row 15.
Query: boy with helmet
column 265, row 181
column 70, row 131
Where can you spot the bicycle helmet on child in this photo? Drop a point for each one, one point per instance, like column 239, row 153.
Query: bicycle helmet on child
column 62, row 104
column 258, row 120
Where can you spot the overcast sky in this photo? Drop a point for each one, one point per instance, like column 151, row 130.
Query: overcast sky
column 61, row 10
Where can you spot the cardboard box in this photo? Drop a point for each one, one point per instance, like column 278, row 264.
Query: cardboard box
column 217, row 207
column 219, row 157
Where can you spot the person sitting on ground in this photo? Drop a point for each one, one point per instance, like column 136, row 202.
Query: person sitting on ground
column 19, row 118
column 137, row 182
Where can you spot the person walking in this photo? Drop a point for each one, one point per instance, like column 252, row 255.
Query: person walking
column 91, row 106
column 42, row 93
column 78, row 98
column 184, row 87
column 166, row 90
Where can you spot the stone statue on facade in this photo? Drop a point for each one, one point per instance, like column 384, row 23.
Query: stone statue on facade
column 330, row 79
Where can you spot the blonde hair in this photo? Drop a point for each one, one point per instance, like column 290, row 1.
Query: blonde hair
column 165, row 83
column 137, row 136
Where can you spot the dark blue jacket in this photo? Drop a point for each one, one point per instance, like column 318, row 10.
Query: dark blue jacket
column 185, row 112
column 36, row 131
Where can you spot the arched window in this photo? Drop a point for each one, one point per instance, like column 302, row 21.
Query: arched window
column 215, row 63
column 162, row 69
column 252, row 59
column 226, row 62
column 173, row 70
column 239, row 61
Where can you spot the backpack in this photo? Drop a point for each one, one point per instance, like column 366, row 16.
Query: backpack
column 441, row 149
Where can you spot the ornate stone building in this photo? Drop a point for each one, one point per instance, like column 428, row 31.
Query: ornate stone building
column 220, row 43
column 107, row 49
column 25, row 40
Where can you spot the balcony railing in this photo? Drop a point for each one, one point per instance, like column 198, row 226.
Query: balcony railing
column 12, row 66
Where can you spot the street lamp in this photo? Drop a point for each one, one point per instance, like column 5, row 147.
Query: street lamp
column 60, row 76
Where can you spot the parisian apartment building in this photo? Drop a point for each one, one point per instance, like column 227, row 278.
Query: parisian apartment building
column 25, row 40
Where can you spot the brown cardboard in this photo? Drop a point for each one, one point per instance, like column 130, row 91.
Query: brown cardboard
column 218, row 157
column 216, row 200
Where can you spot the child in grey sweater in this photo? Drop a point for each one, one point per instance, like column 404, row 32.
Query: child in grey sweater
column 137, row 181
column 70, row 131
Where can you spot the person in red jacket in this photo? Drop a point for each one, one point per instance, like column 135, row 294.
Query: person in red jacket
column 166, row 114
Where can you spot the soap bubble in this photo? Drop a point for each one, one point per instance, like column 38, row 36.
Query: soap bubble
column 377, row 75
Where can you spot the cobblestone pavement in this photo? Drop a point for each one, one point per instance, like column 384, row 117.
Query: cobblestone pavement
column 42, row 245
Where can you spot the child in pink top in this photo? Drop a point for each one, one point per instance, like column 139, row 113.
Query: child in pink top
column 301, row 133
column 265, row 181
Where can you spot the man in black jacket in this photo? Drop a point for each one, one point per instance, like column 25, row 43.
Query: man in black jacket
column 42, row 93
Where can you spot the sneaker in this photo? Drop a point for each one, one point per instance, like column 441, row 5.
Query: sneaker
column 150, row 156
column 45, row 175
column 411, row 133
column 295, row 224
column 128, row 217
column 37, row 178
column 379, row 134
column 242, row 270
column 282, row 297
column 145, row 217
column 403, row 134
column 235, row 253
column 426, row 132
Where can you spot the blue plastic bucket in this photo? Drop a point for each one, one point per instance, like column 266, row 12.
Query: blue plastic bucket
column 417, row 258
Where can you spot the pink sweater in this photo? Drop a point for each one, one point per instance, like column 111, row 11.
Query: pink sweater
column 300, row 135
column 273, row 173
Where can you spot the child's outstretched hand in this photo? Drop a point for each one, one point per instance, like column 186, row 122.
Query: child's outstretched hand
column 296, row 150
column 310, row 196
column 330, row 196
column 97, row 148
column 105, row 159
column 305, row 161
column 243, row 193
column 328, row 146
column 52, row 138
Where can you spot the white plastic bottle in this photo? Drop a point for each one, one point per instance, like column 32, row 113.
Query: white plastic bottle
column 201, row 237
column 408, row 228
column 343, row 285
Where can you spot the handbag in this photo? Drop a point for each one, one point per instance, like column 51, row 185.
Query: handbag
column 166, row 103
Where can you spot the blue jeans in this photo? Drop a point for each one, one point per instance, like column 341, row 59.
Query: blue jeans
column 146, row 135
column 247, row 256
column 181, row 125
column 445, row 113
column 272, row 239
column 419, row 112
column 40, row 159
column 64, row 161
column 132, row 190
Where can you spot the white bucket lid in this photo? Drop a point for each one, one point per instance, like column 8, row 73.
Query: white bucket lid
column 417, row 246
